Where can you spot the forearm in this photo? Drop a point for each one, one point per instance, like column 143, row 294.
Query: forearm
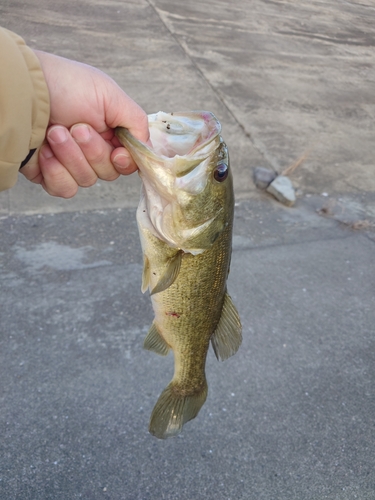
column 24, row 105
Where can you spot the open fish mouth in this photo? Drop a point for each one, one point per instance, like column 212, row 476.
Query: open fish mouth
column 182, row 134
column 179, row 141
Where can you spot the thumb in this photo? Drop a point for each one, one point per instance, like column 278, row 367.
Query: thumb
column 122, row 111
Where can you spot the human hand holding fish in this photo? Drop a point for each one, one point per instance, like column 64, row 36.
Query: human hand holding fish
column 185, row 220
column 85, row 107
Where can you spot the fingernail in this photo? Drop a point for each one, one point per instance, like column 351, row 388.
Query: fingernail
column 57, row 135
column 80, row 133
column 122, row 160
column 46, row 152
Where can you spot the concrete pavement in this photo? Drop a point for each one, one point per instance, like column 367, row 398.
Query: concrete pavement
column 291, row 416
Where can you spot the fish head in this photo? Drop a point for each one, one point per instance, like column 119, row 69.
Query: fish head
column 187, row 198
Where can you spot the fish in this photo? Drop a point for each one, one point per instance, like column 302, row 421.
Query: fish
column 185, row 222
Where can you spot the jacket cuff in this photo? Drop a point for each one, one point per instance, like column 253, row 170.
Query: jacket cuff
column 41, row 103
column 24, row 105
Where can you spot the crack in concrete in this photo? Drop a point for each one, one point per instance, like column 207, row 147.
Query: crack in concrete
column 249, row 134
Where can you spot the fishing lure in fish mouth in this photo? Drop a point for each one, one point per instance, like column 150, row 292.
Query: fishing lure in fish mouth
column 185, row 220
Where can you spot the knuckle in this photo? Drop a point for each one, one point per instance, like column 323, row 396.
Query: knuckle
column 88, row 183
column 61, row 192
column 112, row 176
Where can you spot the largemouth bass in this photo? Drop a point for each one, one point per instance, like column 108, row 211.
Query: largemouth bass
column 185, row 219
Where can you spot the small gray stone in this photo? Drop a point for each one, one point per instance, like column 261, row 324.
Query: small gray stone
column 263, row 177
column 282, row 189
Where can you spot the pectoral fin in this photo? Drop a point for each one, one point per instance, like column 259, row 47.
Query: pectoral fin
column 155, row 342
column 227, row 337
column 170, row 274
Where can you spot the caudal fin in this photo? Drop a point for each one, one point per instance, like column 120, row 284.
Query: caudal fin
column 173, row 410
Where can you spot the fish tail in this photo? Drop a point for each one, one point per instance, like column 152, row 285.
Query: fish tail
column 174, row 408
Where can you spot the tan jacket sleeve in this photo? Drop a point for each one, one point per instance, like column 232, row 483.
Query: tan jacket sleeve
column 24, row 105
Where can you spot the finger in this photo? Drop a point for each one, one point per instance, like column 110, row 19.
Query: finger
column 139, row 126
column 55, row 178
column 122, row 111
column 70, row 155
column 96, row 149
column 122, row 161
column 32, row 169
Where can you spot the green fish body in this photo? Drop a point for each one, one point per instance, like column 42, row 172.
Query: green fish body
column 185, row 220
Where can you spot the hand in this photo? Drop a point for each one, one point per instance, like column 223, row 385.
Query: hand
column 85, row 107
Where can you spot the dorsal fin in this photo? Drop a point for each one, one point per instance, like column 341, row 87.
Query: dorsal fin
column 227, row 337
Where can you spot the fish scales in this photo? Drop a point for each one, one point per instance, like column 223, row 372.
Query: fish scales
column 189, row 310
column 185, row 220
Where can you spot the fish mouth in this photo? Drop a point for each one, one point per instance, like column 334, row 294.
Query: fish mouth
column 180, row 140
column 182, row 134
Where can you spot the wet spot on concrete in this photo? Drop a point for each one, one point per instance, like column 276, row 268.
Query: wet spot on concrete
column 56, row 256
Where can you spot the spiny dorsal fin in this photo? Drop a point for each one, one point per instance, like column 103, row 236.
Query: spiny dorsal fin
column 170, row 273
column 155, row 342
column 227, row 337
column 174, row 408
column 145, row 274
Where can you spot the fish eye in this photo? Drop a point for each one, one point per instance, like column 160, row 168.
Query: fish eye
column 221, row 172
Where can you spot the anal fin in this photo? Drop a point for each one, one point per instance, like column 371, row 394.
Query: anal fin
column 155, row 342
column 228, row 335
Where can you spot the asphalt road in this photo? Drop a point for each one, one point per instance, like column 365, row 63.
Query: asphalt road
column 291, row 415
